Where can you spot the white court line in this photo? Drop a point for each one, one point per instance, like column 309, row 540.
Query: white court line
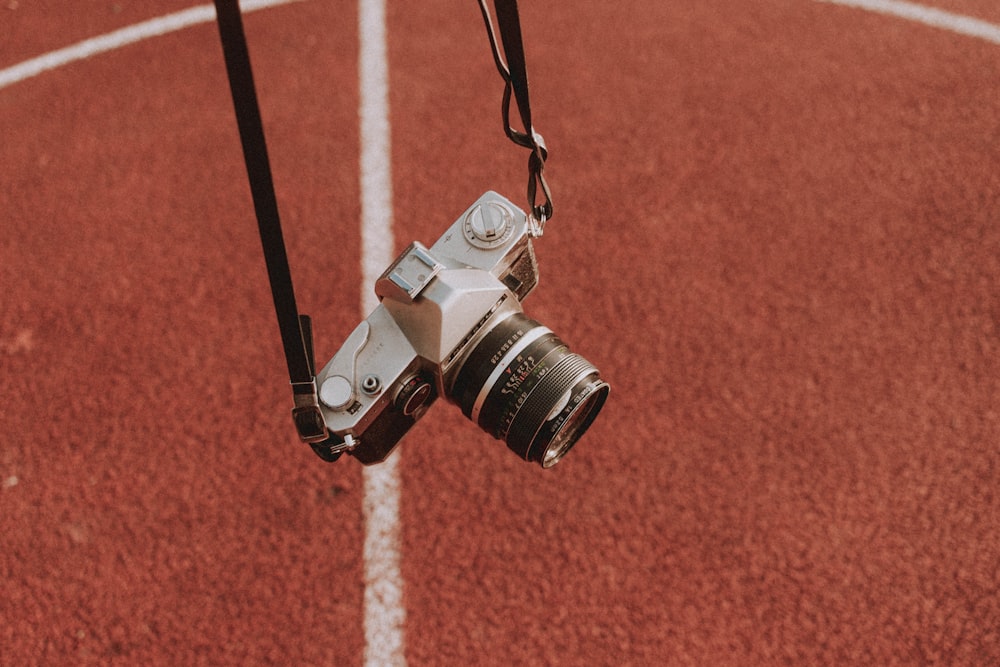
column 384, row 613
column 938, row 18
column 119, row 38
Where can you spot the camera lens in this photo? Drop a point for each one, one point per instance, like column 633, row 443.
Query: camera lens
column 522, row 385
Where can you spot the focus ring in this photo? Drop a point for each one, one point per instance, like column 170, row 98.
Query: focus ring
column 536, row 409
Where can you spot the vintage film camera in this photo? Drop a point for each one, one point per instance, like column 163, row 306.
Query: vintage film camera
column 450, row 324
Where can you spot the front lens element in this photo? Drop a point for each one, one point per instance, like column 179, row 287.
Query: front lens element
column 522, row 385
column 574, row 419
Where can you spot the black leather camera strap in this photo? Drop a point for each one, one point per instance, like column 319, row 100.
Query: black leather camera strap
column 515, row 76
column 296, row 329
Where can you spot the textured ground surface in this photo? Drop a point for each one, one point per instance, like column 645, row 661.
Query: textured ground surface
column 776, row 234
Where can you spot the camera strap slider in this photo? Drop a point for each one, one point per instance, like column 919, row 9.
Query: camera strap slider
column 306, row 415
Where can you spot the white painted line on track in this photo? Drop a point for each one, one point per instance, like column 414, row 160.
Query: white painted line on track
column 384, row 613
column 938, row 18
column 119, row 38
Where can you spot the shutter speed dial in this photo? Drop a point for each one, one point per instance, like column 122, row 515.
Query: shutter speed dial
column 488, row 225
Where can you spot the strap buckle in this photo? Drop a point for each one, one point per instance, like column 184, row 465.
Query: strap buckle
column 306, row 415
column 311, row 426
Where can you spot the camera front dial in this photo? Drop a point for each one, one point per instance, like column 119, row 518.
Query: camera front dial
column 414, row 394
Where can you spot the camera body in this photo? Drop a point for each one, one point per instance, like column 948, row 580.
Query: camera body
column 450, row 324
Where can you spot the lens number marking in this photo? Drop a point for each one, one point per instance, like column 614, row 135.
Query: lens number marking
column 507, row 344
column 529, row 373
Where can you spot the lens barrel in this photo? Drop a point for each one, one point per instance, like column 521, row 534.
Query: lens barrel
column 524, row 386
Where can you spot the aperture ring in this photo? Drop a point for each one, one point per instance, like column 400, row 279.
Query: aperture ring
column 517, row 384
column 506, row 365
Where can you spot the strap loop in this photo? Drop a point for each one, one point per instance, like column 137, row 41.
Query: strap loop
column 515, row 77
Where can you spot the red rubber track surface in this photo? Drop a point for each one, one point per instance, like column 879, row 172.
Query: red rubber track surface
column 776, row 234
